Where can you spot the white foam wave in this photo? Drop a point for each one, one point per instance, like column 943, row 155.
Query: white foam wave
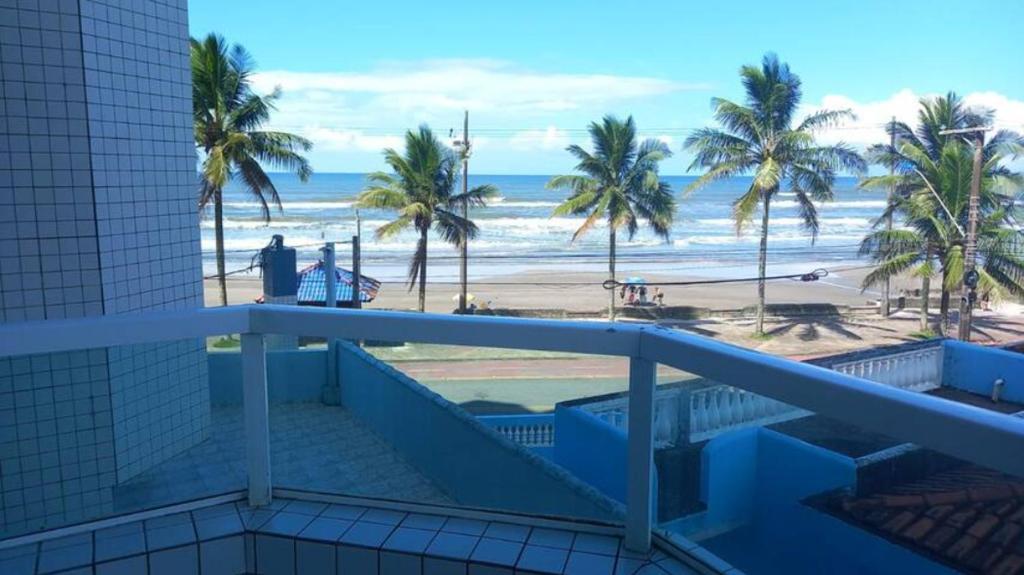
column 824, row 222
column 328, row 205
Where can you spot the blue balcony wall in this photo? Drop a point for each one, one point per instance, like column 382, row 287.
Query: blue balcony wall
column 755, row 482
column 474, row 464
column 292, row 376
column 975, row 368
column 593, row 451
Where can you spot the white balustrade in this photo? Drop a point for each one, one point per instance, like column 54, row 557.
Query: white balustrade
column 615, row 412
column 917, row 370
column 720, row 408
column 539, row 433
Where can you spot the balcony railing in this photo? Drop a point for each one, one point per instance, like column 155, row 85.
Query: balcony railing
column 916, row 370
column 721, row 408
column 526, row 430
column 980, row 436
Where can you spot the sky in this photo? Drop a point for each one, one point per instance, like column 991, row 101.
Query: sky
column 533, row 74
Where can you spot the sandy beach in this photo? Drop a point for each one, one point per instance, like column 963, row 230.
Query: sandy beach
column 533, row 290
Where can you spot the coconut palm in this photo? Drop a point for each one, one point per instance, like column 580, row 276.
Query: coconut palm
column 227, row 116
column 421, row 189
column 617, row 183
column 931, row 185
column 763, row 138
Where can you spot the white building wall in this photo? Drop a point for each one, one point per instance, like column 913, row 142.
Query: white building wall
column 97, row 215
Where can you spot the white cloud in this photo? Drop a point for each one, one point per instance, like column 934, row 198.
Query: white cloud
column 868, row 128
column 550, row 138
column 360, row 113
column 481, row 85
column 344, row 140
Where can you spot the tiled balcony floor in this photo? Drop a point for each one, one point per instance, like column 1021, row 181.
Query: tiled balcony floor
column 313, row 447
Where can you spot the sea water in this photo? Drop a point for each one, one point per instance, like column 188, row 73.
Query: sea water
column 518, row 231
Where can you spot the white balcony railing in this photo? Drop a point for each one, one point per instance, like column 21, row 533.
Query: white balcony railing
column 980, row 436
column 526, row 430
column 615, row 412
column 917, row 370
column 720, row 408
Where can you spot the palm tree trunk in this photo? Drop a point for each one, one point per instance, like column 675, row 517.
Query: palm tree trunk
column 944, row 308
column 762, row 265
column 926, row 285
column 611, row 273
column 218, row 226
column 423, row 271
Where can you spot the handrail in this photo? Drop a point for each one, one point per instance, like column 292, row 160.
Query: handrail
column 956, row 429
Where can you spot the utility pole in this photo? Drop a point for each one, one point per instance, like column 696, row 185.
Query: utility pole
column 357, row 299
column 885, row 307
column 970, row 283
column 464, row 243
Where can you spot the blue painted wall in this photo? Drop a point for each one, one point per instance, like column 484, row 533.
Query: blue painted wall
column 292, row 376
column 594, row 451
column 974, row 368
column 472, row 463
column 754, row 482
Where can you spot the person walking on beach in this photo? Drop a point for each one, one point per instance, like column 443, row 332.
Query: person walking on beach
column 659, row 297
column 643, row 295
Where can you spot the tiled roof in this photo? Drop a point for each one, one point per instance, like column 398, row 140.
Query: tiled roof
column 969, row 518
column 311, row 289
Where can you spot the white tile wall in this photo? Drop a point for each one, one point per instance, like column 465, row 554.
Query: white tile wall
column 97, row 215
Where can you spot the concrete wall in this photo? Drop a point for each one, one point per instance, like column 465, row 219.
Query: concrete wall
column 292, row 376
column 97, row 196
column 475, row 465
column 754, row 482
column 594, row 451
column 975, row 368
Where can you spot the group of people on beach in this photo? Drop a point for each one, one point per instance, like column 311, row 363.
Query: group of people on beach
column 637, row 295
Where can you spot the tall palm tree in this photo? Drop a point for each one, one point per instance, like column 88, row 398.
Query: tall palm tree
column 421, row 188
column 619, row 183
column 227, row 116
column 931, row 182
column 762, row 138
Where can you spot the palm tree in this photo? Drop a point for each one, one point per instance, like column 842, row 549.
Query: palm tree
column 421, row 189
column 227, row 117
column 931, row 182
column 618, row 183
column 760, row 138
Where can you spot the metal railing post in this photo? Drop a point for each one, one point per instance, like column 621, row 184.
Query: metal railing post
column 257, row 418
column 640, row 459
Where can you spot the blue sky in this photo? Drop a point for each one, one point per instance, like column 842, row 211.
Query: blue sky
column 533, row 74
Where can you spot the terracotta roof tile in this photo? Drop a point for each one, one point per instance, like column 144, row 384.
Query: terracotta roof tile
column 983, row 526
column 962, row 518
column 941, row 538
column 899, row 521
column 919, row 528
column 961, row 547
column 1011, row 564
column 1007, row 534
column 969, row 518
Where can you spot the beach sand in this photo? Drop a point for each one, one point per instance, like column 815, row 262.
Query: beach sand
column 522, row 291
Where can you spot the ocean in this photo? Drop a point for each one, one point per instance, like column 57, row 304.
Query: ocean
column 517, row 231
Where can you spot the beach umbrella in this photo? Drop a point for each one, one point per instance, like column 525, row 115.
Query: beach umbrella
column 635, row 280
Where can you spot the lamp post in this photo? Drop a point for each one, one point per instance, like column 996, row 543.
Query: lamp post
column 464, row 148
